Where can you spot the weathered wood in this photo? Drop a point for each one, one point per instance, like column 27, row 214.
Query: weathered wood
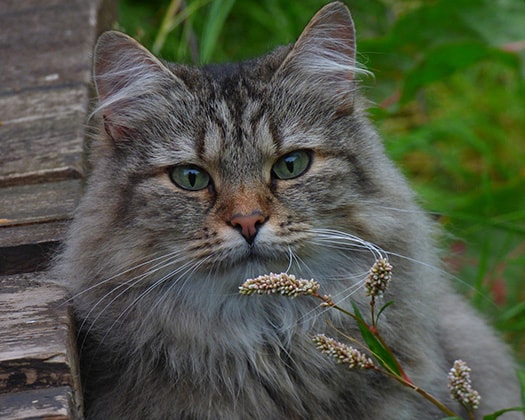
column 45, row 94
column 38, row 203
column 49, row 404
column 44, row 101
column 33, row 234
column 37, row 347
column 32, row 222
column 45, row 86
column 47, row 43
column 28, row 248
column 42, row 134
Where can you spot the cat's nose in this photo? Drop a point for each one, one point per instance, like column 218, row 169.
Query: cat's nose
column 248, row 224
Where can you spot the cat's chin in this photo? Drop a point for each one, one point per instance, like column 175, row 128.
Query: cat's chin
column 250, row 260
column 255, row 263
column 235, row 252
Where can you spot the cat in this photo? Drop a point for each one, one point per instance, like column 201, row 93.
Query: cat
column 203, row 177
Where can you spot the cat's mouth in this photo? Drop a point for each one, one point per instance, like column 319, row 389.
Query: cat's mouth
column 268, row 250
column 259, row 256
column 254, row 253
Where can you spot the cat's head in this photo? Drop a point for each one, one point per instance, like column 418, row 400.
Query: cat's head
column 259, row 165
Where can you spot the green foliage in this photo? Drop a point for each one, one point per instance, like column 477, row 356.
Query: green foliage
column 216, row 17
column 450, row 95
column 382, row 353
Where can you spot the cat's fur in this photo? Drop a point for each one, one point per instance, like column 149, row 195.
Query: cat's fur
column 154, row 269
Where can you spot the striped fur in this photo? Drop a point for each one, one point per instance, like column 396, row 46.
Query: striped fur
column 154, row 269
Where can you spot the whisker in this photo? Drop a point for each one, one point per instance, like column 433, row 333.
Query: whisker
column 149, row 289
column 129, row 284
column 337, row 238
column 487, row 298
column 181, row 278
column 153, row 269
column 343, row 242
column 291, row 257
column 120, row 274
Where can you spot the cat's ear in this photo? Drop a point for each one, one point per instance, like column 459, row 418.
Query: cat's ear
column 324, row 56
column 127, row 77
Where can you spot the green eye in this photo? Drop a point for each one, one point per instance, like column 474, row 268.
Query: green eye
column 292, row 165
column 190, row 177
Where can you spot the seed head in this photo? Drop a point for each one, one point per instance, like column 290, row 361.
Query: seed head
column 342, row 353
column 460, row 387
column 378, row 278
column 283, row 284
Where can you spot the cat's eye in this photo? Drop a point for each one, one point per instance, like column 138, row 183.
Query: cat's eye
column 292, row 165
column 190, row 177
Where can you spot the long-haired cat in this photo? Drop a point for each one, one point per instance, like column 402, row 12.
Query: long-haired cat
column 203, row 177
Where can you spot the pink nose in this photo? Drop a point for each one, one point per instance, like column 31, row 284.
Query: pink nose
column 248, row 224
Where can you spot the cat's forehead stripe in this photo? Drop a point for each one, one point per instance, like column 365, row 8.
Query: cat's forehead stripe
column 245, row 129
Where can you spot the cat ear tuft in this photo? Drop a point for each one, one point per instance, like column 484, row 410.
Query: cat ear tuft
column 127, row 77
column 325, row 53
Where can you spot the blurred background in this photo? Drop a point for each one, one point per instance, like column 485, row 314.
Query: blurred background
column 448, row 97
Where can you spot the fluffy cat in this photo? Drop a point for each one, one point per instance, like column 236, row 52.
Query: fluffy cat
column 203, row 177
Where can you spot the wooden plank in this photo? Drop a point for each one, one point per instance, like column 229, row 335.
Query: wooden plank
column 37, row 349
column 33, row 221
column 12, row 7
column 38, row 203
column 38, row 233
column 38, row 362
column 50, row 404
column 45, row 79
column 44, row 101
column 55, row 44
column 45, row 94
column 42, row 134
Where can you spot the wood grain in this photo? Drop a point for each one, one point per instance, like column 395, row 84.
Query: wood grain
column 45, row 404
column 38, row 349
column 45, row 98
column 35, row 326
column 42, row 133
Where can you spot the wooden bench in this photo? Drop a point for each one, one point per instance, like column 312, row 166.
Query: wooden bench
column 45, row 93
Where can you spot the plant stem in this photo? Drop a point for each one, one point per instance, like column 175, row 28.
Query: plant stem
column 372, row 308
column 423, row 393
column 328, row 301
column 164, row 29
column 402, row 378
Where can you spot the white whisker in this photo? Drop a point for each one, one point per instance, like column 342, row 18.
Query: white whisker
column 183, row 277
column 332, row 237
column 119, row 274
column 154, row 285
column 127, row 285
column 291, row 257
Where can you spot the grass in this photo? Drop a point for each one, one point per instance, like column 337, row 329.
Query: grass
column 450, row 95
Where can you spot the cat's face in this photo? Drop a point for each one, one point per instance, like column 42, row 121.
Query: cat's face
column 253, row 165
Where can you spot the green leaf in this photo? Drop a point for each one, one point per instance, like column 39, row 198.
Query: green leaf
column 174, row 17
column 386, row 305
column 383, row 355
column 498, row 413
column 516, row 311
column 219, row 11
column 444, row 60
column 496, row 21
column 489, row 21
